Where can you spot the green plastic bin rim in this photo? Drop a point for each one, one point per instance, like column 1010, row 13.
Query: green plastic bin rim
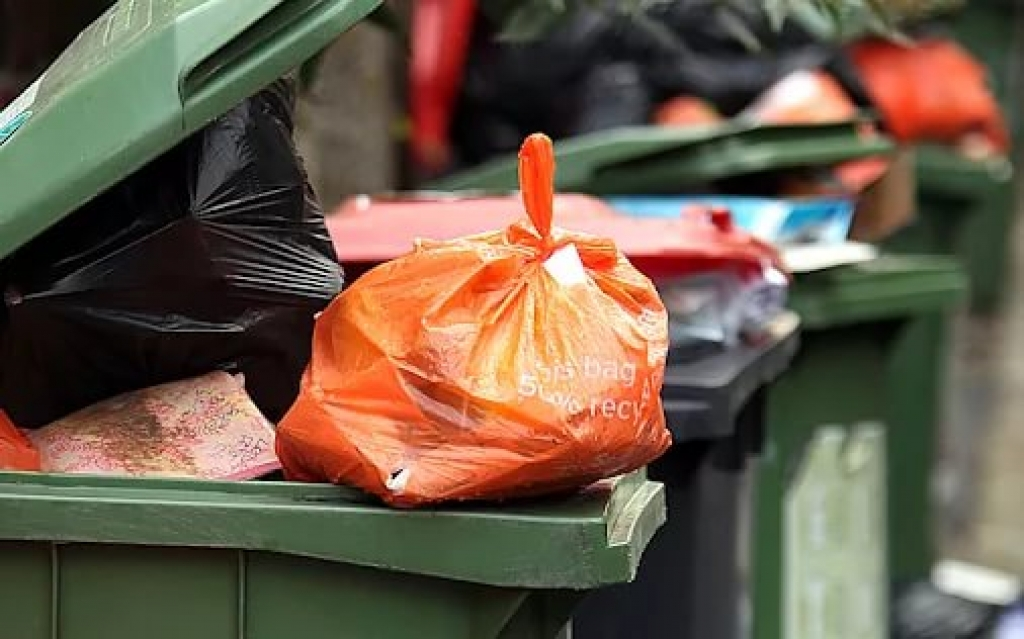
column 943, row 173
column 578, row 542
column 888, row 288
column 680, row 156
column 137, row 82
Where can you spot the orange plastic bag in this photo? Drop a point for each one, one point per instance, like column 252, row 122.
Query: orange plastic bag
column 932, row 91
column 16, row 451
column 507, row 364
column 685, row 111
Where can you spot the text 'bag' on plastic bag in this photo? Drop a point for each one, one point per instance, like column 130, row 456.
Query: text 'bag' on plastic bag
column 506, row 364
column 212, row 257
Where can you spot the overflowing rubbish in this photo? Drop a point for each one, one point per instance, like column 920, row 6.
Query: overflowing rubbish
column 562, row 82
column 164, row 325
column 514, row 363
column 723, row 284
column 933, row 91
column 203, row 428
column 212, row 257
column 371, row 230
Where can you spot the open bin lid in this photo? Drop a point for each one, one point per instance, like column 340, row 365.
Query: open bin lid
column 580, row 542
column 137, row 82
column 659, row 159
column 942, row 172
column 891, row 287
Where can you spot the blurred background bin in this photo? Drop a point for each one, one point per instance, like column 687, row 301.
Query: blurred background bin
column 993, row 31
column 844, row 498
column 648, row 160
column 693, row 580
column 965, row 209
column 874, row 356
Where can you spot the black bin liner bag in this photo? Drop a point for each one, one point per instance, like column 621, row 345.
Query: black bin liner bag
column 214, row 256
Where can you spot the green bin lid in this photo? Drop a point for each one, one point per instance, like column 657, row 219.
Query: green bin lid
column 594, row 538
column 651, row 159
column 943, row 173
column 891, row 287
column 137, row 82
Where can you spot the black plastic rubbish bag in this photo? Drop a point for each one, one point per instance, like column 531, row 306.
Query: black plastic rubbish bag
column 602, row 68
column 213, row 256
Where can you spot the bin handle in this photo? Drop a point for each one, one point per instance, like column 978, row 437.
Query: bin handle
column 286, row 35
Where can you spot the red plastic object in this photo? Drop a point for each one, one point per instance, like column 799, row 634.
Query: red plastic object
column 684, row 111
column 441, row 32
column 931, row 91
column 367, row 232
column 16, row 451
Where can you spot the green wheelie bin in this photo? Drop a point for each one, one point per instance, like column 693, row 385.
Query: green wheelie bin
column 966, row 209
column 648, row 160
column 89, row 558
column 113, row 558
column 843, row 508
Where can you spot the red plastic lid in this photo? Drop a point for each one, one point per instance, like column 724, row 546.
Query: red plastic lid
column 370, row 231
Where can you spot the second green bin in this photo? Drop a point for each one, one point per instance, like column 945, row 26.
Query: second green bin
column 843, row 505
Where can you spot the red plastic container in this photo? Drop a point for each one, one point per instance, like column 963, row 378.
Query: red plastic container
column 368, row 231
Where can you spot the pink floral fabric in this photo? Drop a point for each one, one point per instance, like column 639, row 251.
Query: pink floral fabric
column 204, row 428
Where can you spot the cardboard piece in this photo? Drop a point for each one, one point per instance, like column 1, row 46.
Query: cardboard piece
column 889, row 204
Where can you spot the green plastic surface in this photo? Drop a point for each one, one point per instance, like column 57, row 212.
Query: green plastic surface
column 138, row 81
column 891, row 287
column 965, row 209
column 659, row 159
column 122, row 559
column 835, row 535
column 873, row 354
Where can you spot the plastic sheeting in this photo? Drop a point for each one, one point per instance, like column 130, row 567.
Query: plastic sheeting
column 212, row 257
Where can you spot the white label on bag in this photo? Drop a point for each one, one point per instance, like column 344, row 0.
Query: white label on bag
column 566, row 267
column 398, row 480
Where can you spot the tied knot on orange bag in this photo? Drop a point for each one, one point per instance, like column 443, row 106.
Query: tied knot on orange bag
column 507, row 364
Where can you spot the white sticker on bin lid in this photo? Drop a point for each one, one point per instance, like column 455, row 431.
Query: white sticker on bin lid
column 18, row 112
column 566, row 267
